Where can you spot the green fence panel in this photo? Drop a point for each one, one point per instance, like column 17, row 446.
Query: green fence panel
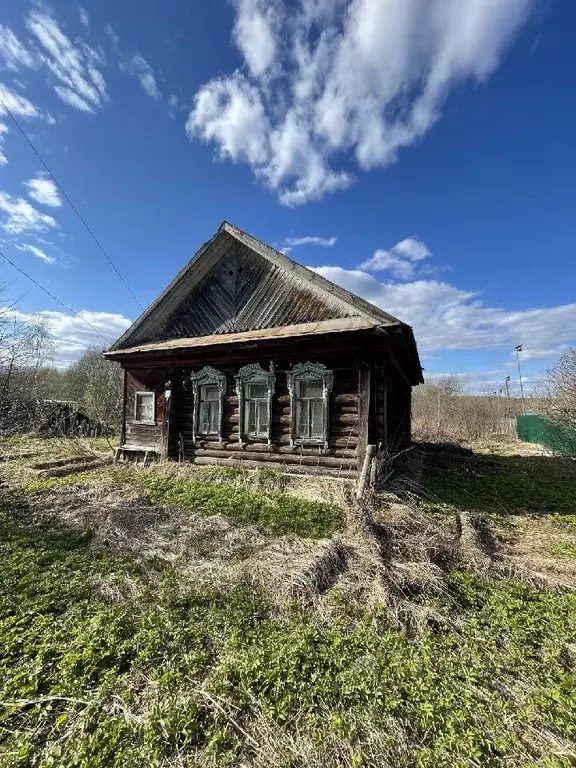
column 535, row 429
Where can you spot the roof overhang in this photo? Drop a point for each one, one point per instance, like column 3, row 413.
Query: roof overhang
column 221, row 339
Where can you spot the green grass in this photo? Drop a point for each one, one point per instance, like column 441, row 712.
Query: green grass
column 501, row 485
column 211, row 493
column 562, row 549
column 164, row 671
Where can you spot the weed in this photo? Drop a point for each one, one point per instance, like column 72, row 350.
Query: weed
column 562, row 549
column 86, row 682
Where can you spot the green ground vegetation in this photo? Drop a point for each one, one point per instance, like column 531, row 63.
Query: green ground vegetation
column 105, row 662
column 244, row 497
column 501, row 485
column 107, row 659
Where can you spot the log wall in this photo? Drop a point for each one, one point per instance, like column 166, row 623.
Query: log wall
column 145, row 436
column 343, row 426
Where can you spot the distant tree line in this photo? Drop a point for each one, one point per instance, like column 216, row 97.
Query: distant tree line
column 35, row 395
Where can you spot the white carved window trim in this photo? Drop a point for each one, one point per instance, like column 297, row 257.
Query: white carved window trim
column 138, row 395
column 208, row 376
column 254, row 374
column 310, row 372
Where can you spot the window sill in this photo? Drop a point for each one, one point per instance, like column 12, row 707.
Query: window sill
column 145, row 423
column 309, row 441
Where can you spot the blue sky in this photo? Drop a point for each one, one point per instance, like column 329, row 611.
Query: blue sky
column 419, row 152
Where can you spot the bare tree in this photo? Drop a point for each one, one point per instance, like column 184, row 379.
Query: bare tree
column 559, row 391
column 96, row 385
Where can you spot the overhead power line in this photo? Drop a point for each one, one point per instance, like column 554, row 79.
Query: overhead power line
column 57, row 300
column 69, row 201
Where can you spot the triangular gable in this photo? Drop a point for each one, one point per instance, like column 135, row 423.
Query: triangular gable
column 237, row 283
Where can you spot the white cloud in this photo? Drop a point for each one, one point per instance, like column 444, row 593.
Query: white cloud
column 138, row 66
column 37, row 252
column 84, row 17
column 72, row 336
column 255, row 31
column 74, row 65
column 322, row 242
column 400, row 260
column 19, row 105
column 445, row 317
column 326, row 84
column 173, row 100
column 14, row 53
column 44, row 191
column 21, row 216
column 3, row 132
column 230, row 113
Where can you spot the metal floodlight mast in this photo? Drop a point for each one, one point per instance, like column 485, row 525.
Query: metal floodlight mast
column 518, row 350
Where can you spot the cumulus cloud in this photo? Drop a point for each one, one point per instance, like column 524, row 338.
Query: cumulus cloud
column 14, row 52
column 231, row 114
column 255, row 33
column 72, row 336
column 38, row 252
column 445, row 317
column 328, row 85
column 21, row 217
column 138, row 66
column 401, row 260
column 44, row 191
column 74, row 66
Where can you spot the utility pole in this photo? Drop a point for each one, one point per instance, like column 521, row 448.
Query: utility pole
column 507, row 382
column 518, row 350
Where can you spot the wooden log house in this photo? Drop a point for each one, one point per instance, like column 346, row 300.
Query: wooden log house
column 248, row 358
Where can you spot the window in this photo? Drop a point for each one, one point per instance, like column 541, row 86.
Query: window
column 256, row 410
column 208, row 409
column 144, row 407
column 209, row 388
column 255, row 388
column 310, row 409
column 310, row 385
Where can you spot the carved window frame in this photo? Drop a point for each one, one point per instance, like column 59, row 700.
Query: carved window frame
column 310, row 372
column 254, row 374
column 210, row 376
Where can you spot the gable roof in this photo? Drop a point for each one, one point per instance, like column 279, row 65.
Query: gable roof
column 279, row 293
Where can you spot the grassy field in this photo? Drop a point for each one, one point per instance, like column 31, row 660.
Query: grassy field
column 177, row 617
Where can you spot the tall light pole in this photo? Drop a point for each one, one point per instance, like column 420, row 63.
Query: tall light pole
column 518, row 350
column 507, row 381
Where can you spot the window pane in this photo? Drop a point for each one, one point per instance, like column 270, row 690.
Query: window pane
column 311, row 389
column 203, row 417
column 262, row 406
column 257, row 391
column 317, row 418
column 145, row 407
column 214, row 417
column 250, row 417
column 208, row 392
column 301, row 418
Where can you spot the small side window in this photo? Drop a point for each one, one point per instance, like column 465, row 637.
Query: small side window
column 144, row 408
